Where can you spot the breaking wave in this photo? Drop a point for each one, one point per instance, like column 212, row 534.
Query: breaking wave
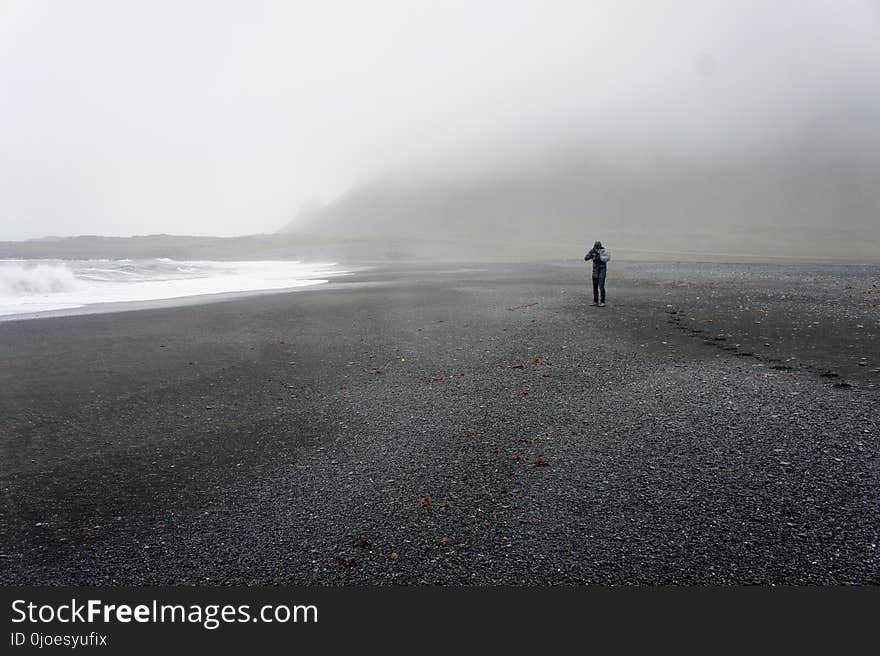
column 29, row 286
column 25, row 279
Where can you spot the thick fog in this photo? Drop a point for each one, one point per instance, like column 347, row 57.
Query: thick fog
column 230, row 118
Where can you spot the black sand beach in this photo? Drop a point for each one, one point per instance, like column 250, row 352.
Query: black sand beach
column 454, row 425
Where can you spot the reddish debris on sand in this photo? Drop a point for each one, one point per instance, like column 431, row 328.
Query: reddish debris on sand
column 469, row 434
column 540, row 462
column 538, row 361
column 524, row 393
column 517, row 366
column 447, row 540
column 545, row 376
column 496, row 451
column 438, row 379
column 524, row 440
column 426, row 502
column 349, row 562
column 362, row 542
column 517, row 457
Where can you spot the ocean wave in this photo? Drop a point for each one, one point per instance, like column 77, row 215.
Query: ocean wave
column 28, row 286
column 41, row 279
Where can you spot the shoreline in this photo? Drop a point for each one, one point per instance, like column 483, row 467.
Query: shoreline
column 357, row 269
column 111, row 307
column 186, row 298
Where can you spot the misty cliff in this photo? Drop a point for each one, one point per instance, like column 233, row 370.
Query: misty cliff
column 815, row 196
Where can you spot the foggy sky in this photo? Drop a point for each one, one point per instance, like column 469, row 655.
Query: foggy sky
column 226, row 118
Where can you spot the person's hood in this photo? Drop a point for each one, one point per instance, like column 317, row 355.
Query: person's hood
column 598, row 245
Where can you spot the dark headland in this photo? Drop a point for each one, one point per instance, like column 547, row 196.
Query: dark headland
column 458, row 425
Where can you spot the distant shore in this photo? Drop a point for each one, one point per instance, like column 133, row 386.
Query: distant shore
column 454, row 424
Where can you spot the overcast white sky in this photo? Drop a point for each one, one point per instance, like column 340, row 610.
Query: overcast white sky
column 225, row 117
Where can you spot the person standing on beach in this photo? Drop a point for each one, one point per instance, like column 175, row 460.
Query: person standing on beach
column 600, row 256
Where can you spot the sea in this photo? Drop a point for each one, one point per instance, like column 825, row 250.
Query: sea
column 32, row 287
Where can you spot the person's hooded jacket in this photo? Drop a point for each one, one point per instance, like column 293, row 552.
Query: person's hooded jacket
column 598, row 265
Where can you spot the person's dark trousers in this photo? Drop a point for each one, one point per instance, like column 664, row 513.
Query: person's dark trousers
column 599, row 286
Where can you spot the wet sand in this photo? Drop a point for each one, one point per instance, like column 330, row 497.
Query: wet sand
column 454, row 425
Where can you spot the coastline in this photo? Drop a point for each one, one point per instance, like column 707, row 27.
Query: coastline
column 69, row 288
column 159, row 303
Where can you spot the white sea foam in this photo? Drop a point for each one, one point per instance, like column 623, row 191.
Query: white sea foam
column 28, row 286
column 22, row 280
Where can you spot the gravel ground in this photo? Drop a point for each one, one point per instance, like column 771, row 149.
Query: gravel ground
column 714, row 424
